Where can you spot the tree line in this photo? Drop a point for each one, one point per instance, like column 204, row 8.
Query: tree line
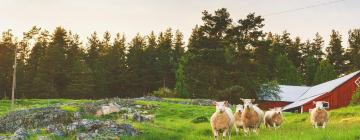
column 223, row 59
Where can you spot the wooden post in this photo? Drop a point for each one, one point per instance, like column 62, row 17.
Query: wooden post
column 302, row 109
column 14, row 80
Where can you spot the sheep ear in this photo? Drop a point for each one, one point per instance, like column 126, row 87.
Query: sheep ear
column 252, row 100
column 242, row 99
column 226, row 103
column 214, row 103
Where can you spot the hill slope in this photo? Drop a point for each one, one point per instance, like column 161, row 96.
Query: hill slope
column 190, row 122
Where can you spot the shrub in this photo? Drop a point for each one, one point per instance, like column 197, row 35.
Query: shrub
column 163, row 92
column 356, row 97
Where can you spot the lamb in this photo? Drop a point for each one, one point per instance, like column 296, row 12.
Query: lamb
column 237, row 115
column 273, row 118
column 222, row 120
column 252, row 116
column 318, row 115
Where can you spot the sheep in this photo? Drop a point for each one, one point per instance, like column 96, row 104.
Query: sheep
column 222, row 120
column 237, row 115
column 318, row 115
column 252, row 116
column 273, row 118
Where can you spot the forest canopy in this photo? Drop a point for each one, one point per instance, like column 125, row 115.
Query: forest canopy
column 224, row 58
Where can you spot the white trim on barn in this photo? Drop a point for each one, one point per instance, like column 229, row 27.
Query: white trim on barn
column 318, row 90
column 357, row 82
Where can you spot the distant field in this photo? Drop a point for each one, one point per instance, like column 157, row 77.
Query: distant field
column 174, row 122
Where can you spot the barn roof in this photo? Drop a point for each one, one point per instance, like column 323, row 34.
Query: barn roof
column 320, row 89
column 289, row 93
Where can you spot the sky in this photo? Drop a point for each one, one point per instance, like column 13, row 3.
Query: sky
column 143, row 16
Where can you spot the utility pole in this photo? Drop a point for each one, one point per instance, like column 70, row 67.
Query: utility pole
column 14, row 81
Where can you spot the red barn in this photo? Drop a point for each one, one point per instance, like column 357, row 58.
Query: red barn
column 287, row 95
column 337, row 93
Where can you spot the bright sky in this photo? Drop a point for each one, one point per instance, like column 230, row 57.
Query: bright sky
column 132, row 16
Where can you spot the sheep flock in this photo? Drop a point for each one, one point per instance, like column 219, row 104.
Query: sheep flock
column 248, row 117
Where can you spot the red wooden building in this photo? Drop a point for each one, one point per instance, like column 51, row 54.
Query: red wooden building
column 337, row 93
column 287, row 95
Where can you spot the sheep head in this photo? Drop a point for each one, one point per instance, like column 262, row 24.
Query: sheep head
column 248, row 103
column 239, row 108
column 221, row 106
column 319, row 104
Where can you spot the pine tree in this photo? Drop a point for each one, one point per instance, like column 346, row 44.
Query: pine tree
column 178, row 48
column 52, row 68
column 353, row 52
column 7, row 50
column 137, row 72
column 335, row 52
column 325, row 72
column 310, row 68
column 80, row 82
column 36, row 85
column 286, row 72
column 116, row 67
column 95, row 60
column 293, row 52
column 166, row 60
column 317, row 46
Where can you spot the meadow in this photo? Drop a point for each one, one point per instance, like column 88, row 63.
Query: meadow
column 176, row 122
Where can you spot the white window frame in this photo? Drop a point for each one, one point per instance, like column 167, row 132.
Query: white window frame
column 357, row 82
column 327, row 106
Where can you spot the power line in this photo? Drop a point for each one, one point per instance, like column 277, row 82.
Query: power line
column 303, row 8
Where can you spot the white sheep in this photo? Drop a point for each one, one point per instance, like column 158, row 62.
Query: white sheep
column 237, row 115
column 252, row 116
column 318, row 115
column 222, row 120
column 273, row 118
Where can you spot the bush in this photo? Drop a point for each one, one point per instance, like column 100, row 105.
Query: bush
column 164, row 93
column 356, row 97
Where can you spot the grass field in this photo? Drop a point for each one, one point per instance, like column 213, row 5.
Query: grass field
column 174, row 122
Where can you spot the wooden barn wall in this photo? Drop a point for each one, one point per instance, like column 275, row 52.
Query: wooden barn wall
column 339, row 97
column 266, row 105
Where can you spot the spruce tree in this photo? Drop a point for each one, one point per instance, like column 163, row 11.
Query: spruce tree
column 353, row 52
column 335, row 52
column 325, row 72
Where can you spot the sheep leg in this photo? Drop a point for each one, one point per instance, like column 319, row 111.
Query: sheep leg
column 237, row 130
column 256, row 131
column 224, row 133
column 275, row 127
column 246, row 130
column 216, row 134
column 324, row 125
column 316, row 125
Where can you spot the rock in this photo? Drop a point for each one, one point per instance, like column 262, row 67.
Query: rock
column 149, row 98
column 141, row 118
column 108, row 109
column 202, row 102
column 77, row 115
column 58, row 133
column 43, row 138
column 36, row 131
column 87, row 136
column 34, row 118
column 20, row 134
column 4, row 138
column 91, row 125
